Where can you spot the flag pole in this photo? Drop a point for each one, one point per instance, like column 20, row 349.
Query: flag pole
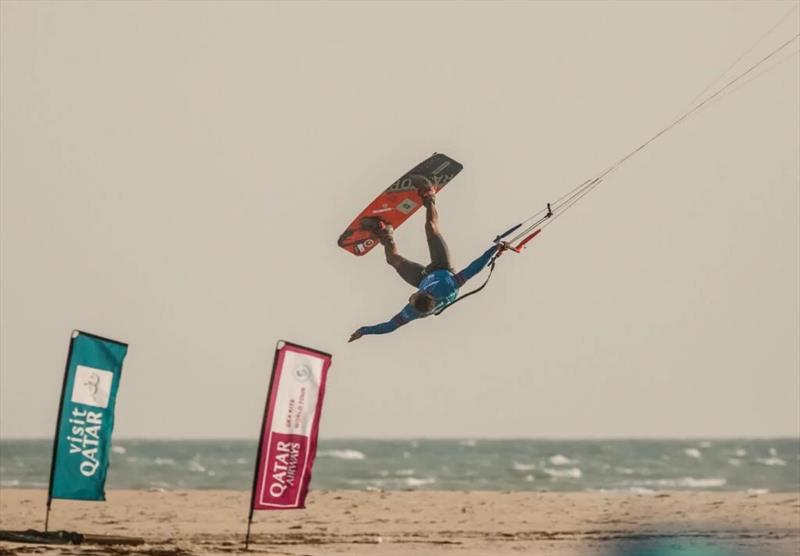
column 278, row 348
column 249, row 523
column 74, row 335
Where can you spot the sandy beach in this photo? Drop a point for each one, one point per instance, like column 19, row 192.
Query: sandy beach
column 416, row 522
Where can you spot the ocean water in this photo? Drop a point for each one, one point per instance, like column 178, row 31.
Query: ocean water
column 520, row 465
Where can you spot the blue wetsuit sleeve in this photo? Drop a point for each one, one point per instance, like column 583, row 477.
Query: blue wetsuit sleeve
column 403, row 317
column 475, row 266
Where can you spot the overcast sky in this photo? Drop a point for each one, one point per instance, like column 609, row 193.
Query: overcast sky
column 175, row 176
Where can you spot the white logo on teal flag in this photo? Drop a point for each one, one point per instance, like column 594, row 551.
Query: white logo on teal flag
column 86, row 419
column 92, row 386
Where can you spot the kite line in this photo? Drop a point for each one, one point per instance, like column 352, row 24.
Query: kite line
column 532, row 226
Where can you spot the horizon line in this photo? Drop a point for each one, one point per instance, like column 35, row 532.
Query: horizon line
column 443, row 438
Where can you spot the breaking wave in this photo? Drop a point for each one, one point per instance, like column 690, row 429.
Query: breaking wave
column 572, row 473
column 771, row 461
column 558, row 459
column 414, row 482
column 342, row 454
column 685, row 482
column 522, row 466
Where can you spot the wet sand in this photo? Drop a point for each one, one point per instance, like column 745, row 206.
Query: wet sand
column 415, row 522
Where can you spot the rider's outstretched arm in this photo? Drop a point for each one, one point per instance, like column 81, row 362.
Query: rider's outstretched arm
column 403, row 317
column 475, row 266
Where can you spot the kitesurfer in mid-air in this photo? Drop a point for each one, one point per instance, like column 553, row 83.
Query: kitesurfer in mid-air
column 437, row 284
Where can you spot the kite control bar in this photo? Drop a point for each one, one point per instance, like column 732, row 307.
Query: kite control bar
column 526, row 239
column 516, row 249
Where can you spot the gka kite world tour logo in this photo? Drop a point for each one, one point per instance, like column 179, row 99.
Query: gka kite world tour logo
column 302, row 373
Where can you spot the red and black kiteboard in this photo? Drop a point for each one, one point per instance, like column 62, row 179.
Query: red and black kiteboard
column 398, row 202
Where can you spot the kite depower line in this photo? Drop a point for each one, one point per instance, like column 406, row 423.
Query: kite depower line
column 533, row 225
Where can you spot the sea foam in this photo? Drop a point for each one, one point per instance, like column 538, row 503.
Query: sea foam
column 414, row 482
column 558, row 459
column 522, row 466
column 771, row 461
column 685, row 482
column 572, row 473
column 195, row 466
column 342, row 454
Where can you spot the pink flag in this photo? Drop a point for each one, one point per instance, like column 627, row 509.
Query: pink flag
column 289, row 435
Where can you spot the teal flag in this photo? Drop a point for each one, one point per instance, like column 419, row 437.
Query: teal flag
column 86, row 417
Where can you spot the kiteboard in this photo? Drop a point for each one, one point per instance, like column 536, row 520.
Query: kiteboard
column 397, row 203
